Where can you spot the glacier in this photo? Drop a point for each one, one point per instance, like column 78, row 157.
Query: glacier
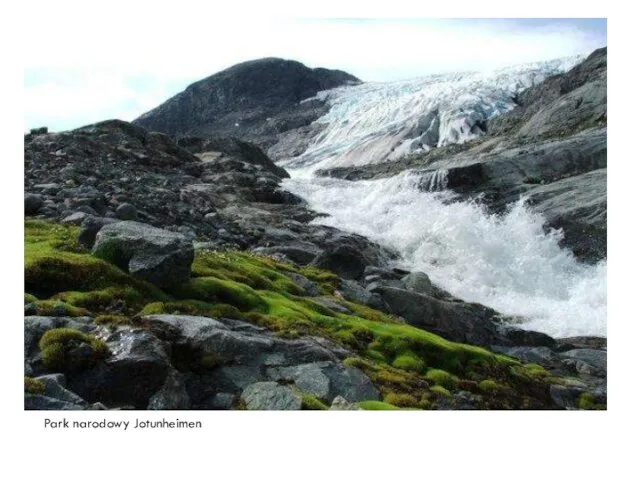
column 507, row 262
column 375, row 121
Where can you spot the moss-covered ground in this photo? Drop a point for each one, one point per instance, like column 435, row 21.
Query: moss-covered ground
column 412, row 368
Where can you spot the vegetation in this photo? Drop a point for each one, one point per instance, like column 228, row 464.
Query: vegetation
column 33, row 386
column 59, row 350
column 412, row 368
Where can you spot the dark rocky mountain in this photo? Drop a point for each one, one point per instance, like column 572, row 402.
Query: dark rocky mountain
column 255, row 101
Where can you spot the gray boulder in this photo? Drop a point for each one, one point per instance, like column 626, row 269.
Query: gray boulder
column 158, row 256
column 326, row 381
column 42, row 402
column 55, row 388
column 126, row 211
column 457, row 321
column 271, row 396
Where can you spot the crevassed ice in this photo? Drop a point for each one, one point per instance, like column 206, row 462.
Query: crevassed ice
column 505, row 262
column 375, row 122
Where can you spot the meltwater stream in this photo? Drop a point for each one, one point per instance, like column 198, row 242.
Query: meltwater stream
column 505, row 262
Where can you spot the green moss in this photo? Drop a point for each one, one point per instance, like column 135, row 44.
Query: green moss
column 409, row 361
column 401, row 400
column 587, row 401
column 33, row 386
column 309, row 402
column 55, row 263
column 376, row 405
column 57, row 347
column 28, row 298
column 442, row 378
column 536, row 370
column 57, row 308
column 440, row 390
column 488, row 385
column 214, row 290
column 256, row 271
column 257, row 289
column 192, row 307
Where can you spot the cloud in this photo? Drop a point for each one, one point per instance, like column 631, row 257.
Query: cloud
column 113, row 76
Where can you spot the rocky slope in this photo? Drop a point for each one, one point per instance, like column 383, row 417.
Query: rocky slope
column 552, row 148
column 257, row 101
column 138, row 295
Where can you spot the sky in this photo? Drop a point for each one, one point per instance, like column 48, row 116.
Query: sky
column 120, row 78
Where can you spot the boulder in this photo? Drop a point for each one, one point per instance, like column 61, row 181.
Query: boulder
column 152, row 254
column 271, row 396
column 90, row 227
column 126, row 211
column 326, row 381
column 32, row 203
column 137, row 369
column 457, row 321
column 172, row 396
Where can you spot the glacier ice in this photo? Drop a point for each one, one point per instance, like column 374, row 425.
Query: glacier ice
column 374, row 122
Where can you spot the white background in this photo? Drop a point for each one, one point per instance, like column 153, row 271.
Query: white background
column 309, row 445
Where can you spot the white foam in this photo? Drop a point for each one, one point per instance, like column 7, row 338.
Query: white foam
column 505, row 262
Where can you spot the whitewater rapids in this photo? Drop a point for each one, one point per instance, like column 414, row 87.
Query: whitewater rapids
column 505, row 262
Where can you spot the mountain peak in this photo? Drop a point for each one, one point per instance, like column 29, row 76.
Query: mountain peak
column 252, row 100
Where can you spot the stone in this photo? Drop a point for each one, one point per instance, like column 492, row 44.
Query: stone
column 126, row 211
column 75, row 218
column 90, row 227
column 137, row 369
column 55, row 387
column 591, row 356
column 457, row 321
column 172, row 396
column 310, row 288
column 42, row 402
column 271, row 396
column 340, row 403
column 222, row 401
column 344, row 260
column 32, row 203
column 158, row 256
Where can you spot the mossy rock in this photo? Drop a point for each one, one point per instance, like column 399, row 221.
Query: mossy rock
column 440, row 391
column 442, row 378
column 57, row 308
column 33, row 386
column 59, row 348
column 309, row 402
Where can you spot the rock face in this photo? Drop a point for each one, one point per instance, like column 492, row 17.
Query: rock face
column 256, row 101
column 157, row 256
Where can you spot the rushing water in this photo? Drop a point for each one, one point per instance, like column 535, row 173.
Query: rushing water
column 506, row 262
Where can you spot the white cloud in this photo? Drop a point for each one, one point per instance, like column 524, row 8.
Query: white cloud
column 109, row 74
